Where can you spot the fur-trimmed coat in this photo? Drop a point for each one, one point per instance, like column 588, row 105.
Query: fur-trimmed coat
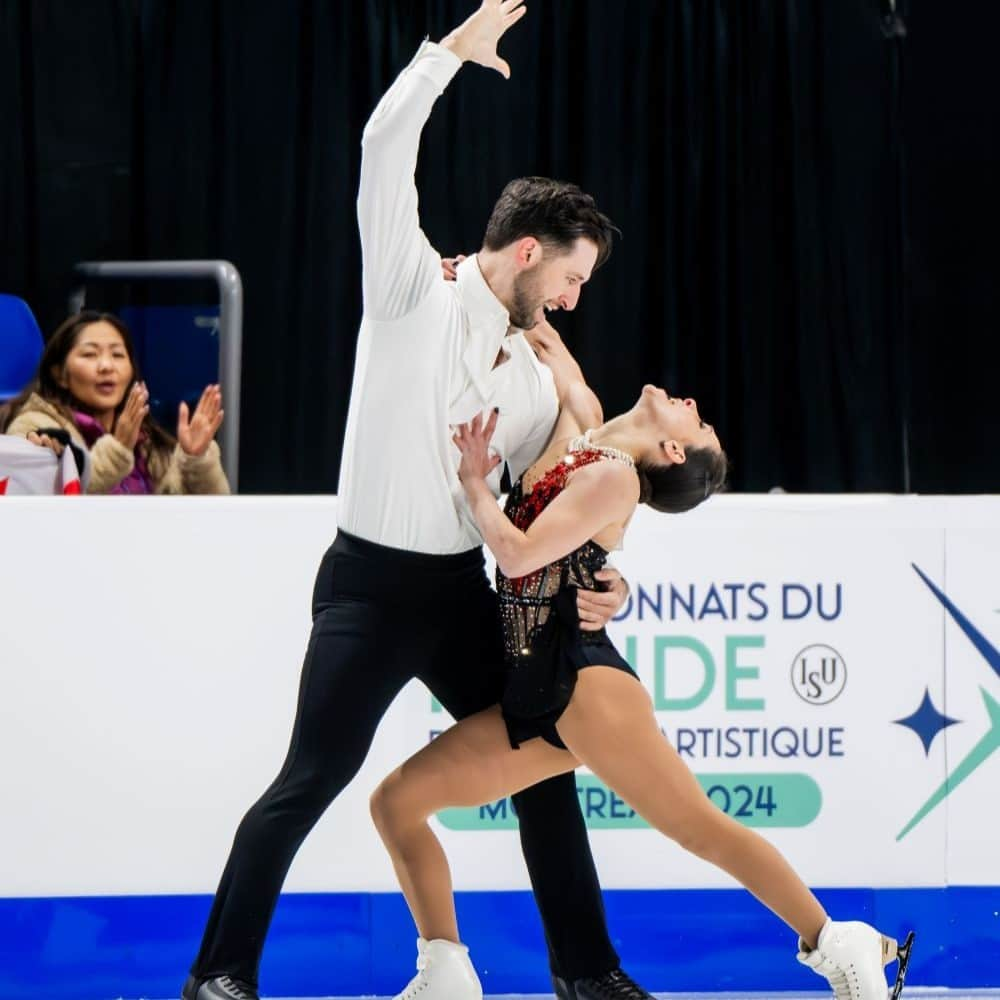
column 111, row 461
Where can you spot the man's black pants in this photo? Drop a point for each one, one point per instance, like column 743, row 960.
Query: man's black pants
column 381, row 617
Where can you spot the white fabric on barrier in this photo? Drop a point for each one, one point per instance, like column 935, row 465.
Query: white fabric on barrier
column 28, row 469
column 151, row 650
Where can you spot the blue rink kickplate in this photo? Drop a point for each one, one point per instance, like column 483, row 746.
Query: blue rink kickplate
column 917, row 994
column 675, row 942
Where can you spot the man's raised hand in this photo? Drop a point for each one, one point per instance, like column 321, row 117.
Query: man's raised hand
column 476, row 39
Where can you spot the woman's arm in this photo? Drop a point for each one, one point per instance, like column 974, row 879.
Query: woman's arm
column 193, row 474
column 579, row 407
column 544, row 340
column 597, row 496
column 196, row 465
column 110, row 463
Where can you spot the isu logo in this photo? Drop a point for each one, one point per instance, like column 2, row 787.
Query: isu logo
column 818, row 674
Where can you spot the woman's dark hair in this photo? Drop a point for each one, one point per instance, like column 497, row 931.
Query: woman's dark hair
column 675, row 488
column 556, row 213
column 46, row 385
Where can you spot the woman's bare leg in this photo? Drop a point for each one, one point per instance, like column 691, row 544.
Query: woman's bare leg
column 470, row 764
column 610, row 727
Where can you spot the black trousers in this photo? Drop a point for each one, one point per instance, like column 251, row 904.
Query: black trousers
column 380, row 618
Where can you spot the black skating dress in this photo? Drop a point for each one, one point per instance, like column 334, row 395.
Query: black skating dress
column 544, row 645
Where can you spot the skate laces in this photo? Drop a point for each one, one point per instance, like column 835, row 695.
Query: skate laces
column 237, row 990
column 618, row 985
column 418, row 983
column 841, row 987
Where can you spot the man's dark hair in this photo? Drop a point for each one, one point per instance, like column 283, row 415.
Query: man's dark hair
column 557, row 214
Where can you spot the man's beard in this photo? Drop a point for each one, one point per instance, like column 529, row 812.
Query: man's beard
column 526, row 301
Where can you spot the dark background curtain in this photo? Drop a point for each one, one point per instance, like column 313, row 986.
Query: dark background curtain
column 810, row 210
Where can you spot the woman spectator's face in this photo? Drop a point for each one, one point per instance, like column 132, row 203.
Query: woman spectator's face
column 97, row 371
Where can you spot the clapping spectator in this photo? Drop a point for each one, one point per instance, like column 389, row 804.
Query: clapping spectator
column 88, row 384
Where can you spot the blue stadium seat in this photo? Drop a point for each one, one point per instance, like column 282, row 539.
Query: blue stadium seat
column 20, row 345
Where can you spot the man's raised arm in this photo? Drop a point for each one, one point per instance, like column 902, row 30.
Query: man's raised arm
column 398, row 263
column 399, row 266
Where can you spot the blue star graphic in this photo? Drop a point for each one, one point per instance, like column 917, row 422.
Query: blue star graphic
column 926, row 721
column 988, row 745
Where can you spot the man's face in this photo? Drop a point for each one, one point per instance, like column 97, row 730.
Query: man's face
column 554, row 282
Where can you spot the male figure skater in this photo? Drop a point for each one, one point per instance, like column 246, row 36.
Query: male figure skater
column 402, row 592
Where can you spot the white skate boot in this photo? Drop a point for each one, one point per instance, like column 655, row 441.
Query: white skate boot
column 851, row 956
column 444, row 972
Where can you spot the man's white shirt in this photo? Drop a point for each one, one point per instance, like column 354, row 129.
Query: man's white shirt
column 426, row 351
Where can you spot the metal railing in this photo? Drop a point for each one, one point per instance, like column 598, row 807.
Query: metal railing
column 227, row 279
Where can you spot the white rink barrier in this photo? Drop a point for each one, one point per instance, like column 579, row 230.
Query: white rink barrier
column 828, row 666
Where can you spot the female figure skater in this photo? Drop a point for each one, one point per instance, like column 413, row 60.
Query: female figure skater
column 571, row 699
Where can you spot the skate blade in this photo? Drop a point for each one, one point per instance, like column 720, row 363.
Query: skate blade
column 892, row 951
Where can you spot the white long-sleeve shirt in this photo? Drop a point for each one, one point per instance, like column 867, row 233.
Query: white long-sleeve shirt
column 426, row 350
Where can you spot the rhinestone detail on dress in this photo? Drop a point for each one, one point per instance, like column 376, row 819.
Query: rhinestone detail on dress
column 525, row 602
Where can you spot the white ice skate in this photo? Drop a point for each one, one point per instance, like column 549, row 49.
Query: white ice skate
column 851, row 956
column 444, row 972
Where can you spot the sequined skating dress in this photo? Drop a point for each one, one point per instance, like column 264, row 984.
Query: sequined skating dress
column 544, row 645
